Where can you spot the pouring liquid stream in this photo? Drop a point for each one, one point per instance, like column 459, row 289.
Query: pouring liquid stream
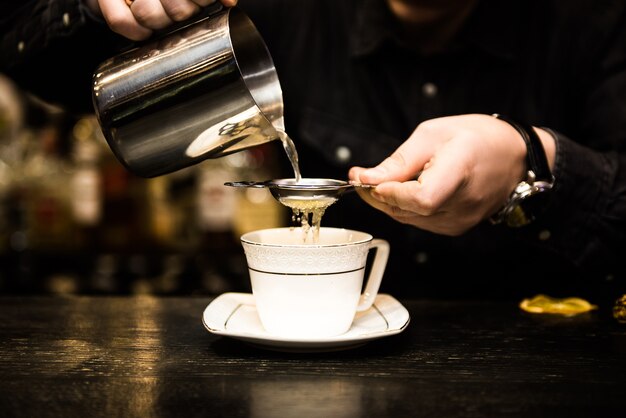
column 292, row 153
column 308, row 213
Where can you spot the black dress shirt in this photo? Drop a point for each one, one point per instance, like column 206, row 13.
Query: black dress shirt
column 354, row 89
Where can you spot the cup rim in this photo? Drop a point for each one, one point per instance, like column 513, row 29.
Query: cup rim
column 245, row 238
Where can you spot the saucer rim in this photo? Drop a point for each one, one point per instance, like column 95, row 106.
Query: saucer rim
column 343, row 341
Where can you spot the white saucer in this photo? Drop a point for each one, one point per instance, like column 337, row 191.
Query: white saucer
column 234, row 315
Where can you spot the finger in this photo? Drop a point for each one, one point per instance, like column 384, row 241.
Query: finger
column 445, row 176
column 437, row 185
column 121, row 20
column 439, row 222
column 150, row 14
column 405, row 197
column 179, row 10
column 229, row 3
column 366, row 195
column 371, row 196
column 354, row 174
column 393, row 211
column 405, row 162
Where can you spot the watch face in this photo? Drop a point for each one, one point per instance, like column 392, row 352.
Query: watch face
column 528, row 203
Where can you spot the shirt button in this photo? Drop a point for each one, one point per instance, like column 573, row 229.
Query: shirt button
column 544, row 235
column 20, row 46
column 343, row 154
column 421, row 257
column 429, row 90
column 66, row 19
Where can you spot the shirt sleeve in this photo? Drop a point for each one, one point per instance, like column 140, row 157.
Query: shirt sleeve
column 585, row 221
column 50, row 48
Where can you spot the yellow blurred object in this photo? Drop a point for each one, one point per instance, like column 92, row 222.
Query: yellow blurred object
column 619, row 310
column 549, row 305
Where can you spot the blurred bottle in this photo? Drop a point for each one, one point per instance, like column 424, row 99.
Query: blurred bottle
column 104, row 277
column 214, row 216
column 225, row 213
column 256, row 208
column 117, row 212
column 86, row 184
column 11, row 219
column 46, row 176
column 162, row 217
column 42, row 238
column 124, row 226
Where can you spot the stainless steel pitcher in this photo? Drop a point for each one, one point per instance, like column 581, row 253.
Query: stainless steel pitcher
column 203, row 91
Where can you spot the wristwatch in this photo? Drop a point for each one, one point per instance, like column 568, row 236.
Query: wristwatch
column 528, row 199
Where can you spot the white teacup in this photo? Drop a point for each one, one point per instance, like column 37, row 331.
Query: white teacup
column 312, row 289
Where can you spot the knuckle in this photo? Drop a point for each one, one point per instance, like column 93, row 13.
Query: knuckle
column 146, row 16
column 428, row 125
column 179, row 13
column 426, row 205
column 397, row 159
column 118, row 22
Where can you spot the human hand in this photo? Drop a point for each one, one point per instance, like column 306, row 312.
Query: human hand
column 138, row 19
column 466, row 167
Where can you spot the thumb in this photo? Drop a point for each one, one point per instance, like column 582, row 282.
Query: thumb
column 402, row 165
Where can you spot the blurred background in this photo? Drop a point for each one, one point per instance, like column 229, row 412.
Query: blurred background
column 73, row 220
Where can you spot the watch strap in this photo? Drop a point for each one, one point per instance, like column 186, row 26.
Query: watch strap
column 536, row 159
column 525, row 203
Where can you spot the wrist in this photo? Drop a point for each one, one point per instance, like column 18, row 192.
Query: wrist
column 529, row 198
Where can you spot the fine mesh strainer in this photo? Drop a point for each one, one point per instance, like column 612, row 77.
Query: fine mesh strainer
column 304, row 190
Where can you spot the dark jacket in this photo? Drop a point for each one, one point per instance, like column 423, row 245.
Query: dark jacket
column 354, row 91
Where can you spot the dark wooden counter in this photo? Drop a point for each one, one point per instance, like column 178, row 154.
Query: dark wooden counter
column 144, row 357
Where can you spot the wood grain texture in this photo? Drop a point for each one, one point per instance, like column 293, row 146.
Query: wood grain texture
column 152, row 357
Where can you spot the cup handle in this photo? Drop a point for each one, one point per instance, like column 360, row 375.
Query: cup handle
column 376, row 274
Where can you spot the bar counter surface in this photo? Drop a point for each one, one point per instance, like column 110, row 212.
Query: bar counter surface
column 146, row 356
